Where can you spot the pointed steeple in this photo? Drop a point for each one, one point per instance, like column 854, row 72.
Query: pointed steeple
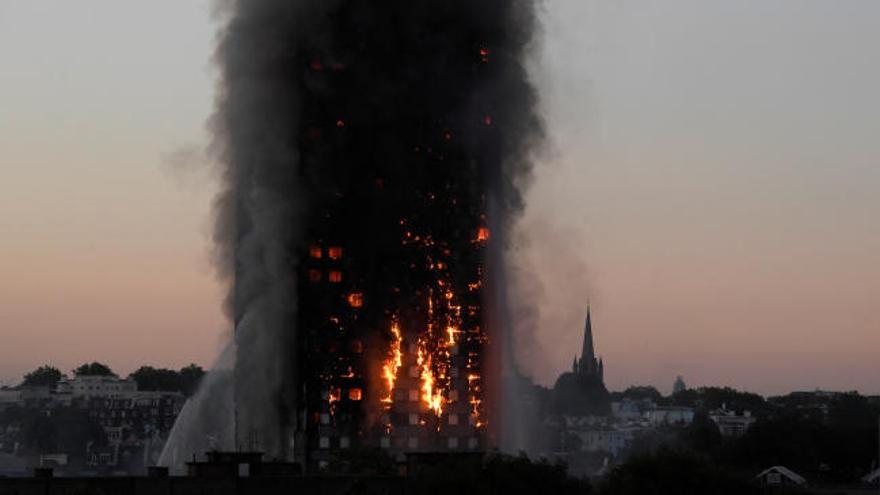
column 588, row 356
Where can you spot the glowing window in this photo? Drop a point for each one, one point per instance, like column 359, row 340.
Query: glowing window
column 334, row 253
column 356, row 299
column 314, row 275
column 355, row 394
column 315, row 252
column 335, row 276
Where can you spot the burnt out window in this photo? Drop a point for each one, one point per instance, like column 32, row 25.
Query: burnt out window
column 356, row 299
column 314, row 275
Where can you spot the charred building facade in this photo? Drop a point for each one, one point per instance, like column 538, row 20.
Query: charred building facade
column 374, row 153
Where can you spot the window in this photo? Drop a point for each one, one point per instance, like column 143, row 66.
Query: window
column 473, row 443
column 453, row 395
column 325, row 418
column 344, row 443
column 385, row 442
column 324, row 442
column 356, row 299
column 453, row 443
column 314, row 275
column 315, row 252
column 334, row 253
column 414, row 371
column 413, row 395
column 335, row 276
column 355, row 394
column 453, row 419
column 413, row 442
column 413, row 418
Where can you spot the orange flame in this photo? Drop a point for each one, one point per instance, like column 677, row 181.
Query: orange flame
column 393, row 364
column 432, row 397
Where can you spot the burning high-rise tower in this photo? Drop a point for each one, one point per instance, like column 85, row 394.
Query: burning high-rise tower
column 373, row 154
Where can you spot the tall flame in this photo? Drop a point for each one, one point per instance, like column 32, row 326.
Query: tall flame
column 431, row 395
column 394, row 362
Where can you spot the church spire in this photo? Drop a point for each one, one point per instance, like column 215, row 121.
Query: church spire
column 588, row 355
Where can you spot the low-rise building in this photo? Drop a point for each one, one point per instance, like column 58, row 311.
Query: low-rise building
column 731, row 424
column 630, row 410
column 780, row 476
column 602, row 440
column 90, row 386
column 667, row 416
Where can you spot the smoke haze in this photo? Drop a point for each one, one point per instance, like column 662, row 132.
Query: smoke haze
column 316, row 107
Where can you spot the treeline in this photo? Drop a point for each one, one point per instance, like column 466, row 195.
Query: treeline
column 826, row 437
column 185, row 380
column 703, row 398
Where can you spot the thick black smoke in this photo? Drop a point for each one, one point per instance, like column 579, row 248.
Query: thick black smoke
column 337, row 120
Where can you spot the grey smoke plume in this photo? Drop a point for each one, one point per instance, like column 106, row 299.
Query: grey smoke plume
column 295, row 75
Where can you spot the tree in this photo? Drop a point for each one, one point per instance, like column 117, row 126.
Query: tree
column 93, row 369
column 789, row 440
column 643, row 392
column 44, row 376
column 185, row 381
column 156, row 379
column 702, row 434
column 190, row 378
column 671, row 472
column 708, row 398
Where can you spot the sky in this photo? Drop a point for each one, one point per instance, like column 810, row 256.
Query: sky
column 710, row 188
